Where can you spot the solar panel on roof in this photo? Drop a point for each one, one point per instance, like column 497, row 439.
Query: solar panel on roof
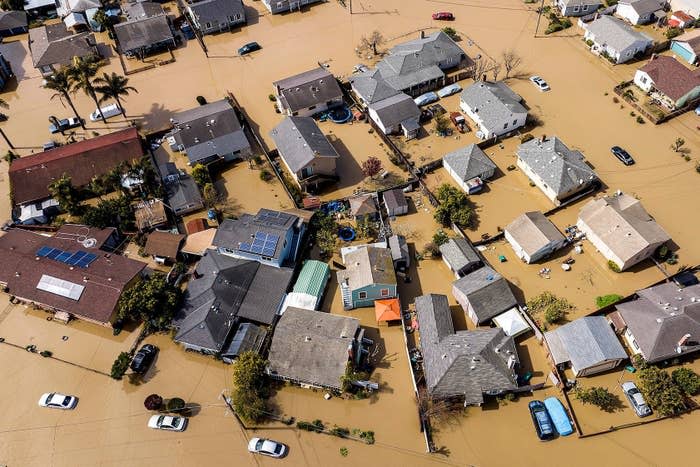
column 77, row 256
column 244, row 246
column 53, row 254
column 274, row 217
column 44, row 251
column 63, row 257
column 86, row 260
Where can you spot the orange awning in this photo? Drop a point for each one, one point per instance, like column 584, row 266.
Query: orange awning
column 387, row 310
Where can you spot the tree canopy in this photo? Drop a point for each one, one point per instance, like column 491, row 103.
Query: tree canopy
column 454, row 207
column 249, row 390
column 151, row 300
column 371, row 167
column 115, row 212
column 63, row 191
column 554, row 308
column 660, row 392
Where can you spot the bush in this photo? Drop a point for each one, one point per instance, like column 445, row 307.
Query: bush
column 589, row 43
column 153, row 402
column 640, row 120
column 687, row 380
column 431, row 249
column 265, row 175
column 367, row 436
column 46, row 353
column 553, row 307
column 605, row 300
column 613, row 266
column 344, row 452
column 340, row 432
column 316, row 426
column 451, row 32
column 200, row 174
column 673, row 32
column 440, row 237
column 600, row 397
column 660, row 392
column 526, row 137
column 272, row 98
column 201, row 100
column 175, row 404
column 120, row 365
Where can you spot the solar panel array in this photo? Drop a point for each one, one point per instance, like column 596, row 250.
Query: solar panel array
column 263, row 244
column 274, row 217
column 80, row 258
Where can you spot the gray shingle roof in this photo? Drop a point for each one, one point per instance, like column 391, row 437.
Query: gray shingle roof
column 495, row 103
column 224, row 290
column 487, row 291
column 143, row 33
column 209, row 130
column 399, row 249
column 183, row 194
column 367, row 266
column 307, row 89
column 395, row 110
column 533, row 231
column 459, row 254
column 463, row 363
column 371, row 87
column 643, row 7
column 585, row 342
column 13, row 20
column 312, row 347
column 580, row 2
column 395, row 199
column 299, row 141
column 248, row 338
column 615, row 33
column 469, row 162
column 211, row 11
column 55, row 45
column 658, row 320
column 561, row 168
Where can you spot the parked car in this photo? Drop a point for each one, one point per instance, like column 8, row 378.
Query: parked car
column 539, row 83
column 50, row 145
column 443, row 16
column 449, row 90
column 636, row 400
column 425, row 99
column 108, row 111
column 540, row 418
column 55, row 400
column 144, row 358
column 65, row 124
column 267, row 447
column 459, row 121
column 623, row 155
column 167, row 422
column 697, row 110
column 558, row 415
column 187, row 31
column 248, row 48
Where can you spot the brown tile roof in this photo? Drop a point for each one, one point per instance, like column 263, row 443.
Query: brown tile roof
column 30, row 176
column 196, row 225
column 671, row 77
column 82, row 233
column 103, row 280
column 163, row 244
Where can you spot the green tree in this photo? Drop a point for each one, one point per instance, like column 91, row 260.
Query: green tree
column 366, row 229
column 687, row 380
column 175, row 404
column 440, row 237
column 151, row 300
column 442, row 125
column 451, row 32
column 600, row 397
column 10, row 156
column 605, row 300
column 678, row 144
column 63, row 191
column 115, row 212
column 249, row 390
column 113, row 86
column 660, row 392
column 554, row 308
column 81, row 73
column 209, row 195
column 103, row 20
column 200, row 174
column 120, row 365
column 454, row 207
column 62, row 86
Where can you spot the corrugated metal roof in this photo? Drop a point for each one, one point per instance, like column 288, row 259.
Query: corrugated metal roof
column 312, row 278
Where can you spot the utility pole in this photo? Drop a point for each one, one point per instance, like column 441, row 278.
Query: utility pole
column 539, row 16
column 4, row 136
column 350, row 6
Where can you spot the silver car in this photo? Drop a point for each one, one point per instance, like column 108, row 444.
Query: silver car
column 267, row 447
column 54, row 400
column 167, row 422
column 635, row 398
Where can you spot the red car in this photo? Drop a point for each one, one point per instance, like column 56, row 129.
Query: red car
column 444, row 16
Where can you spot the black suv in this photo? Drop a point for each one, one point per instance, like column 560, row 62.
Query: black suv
column 623, row 155
column 143, row 358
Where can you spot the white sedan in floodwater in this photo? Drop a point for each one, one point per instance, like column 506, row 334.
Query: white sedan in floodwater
column 168, row 423
column 55, row 400
column 539, row 83
column 267, row 447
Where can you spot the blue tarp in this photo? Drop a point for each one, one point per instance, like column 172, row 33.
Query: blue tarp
column 559, row 416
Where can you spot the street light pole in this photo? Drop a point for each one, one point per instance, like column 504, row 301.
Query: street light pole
column 539, row 15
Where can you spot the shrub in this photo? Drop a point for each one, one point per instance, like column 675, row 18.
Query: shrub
column 316, row 426
column 272, row 98
column 367, row 436
column 175, row 404
column 632, row 114
column 615, row 99
column 340, row 432
column 265, row 175
column 697, row 167
column 120, row 365
column 600, row 397
column 153, row 402
column 605, row 300
column 660, row 391
column 201, row 100
column 553, row 307
column 640, row 120
column 344, row 452
column 46, row 353
column 440, row 237
column 526, row 137
column 613, row 266
column 431, row 249
column 673, row 32
column 686, row 158
column 200, row 174
column 589, row 43
column 687, row 380
column 450, row 32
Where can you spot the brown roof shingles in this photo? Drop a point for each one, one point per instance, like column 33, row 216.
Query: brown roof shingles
column 164, row 244
column 103, row 280
column 671, row 77
column 30, row 176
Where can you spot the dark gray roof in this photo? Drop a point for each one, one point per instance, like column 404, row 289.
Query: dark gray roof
column 642, row 7
column 561, row 168
column 399, row 249
column 312, row 347
column 463, row 363
column 143, row 33
column 299, row 141
column 585, row 342
column 232, row 232
column 615, row 33
column 210, row 11
column 469, row 162
column 307, row 89
column 661, row 316
column 224, row 290
column 395, row 199
column 209, row 130
column 55, row 45
column 13, row 20
column 396, row 109
column 371, row 87
column 459, row 254
column 487, row 291
column 139, row 10
column 367, row 266
column 183, row 194
column 248, row 338
column 495, row 103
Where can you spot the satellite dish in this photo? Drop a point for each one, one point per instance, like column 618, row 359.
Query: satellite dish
column 89, row 242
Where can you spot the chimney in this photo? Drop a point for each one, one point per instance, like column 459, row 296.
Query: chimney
column 654, row 56
column 422, row 34
column 543, row 138
column 683, row 340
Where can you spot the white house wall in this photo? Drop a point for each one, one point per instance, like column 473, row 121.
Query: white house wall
column 462, row 184
column 548, row 192
column 643, row 80
column 599, row 244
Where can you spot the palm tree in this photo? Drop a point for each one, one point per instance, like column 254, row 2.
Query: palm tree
column 80, row 74
column 5, row 105
column 61, row 83
column 114, row 86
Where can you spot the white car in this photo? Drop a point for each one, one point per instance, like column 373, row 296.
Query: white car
column 55, row 400
column 449, row 90
column 540, row 83
column 167, row 422
column 267, row 447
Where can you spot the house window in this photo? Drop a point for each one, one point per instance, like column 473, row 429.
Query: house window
column 643, row 79
column 207, row 25
column 312, row 107
column 576, row 7
column 585, row 8
column 515, row 122
column 362, row 295
column 505, row 125
column 307, row 172
column 384, row 292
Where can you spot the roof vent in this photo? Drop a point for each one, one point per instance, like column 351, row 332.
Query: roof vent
column 307, row 339
column 659, row 320
column 473, row 367
column 444, row 356
column 679, row 298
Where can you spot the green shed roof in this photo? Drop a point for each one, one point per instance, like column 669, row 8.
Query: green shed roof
column 312, row 278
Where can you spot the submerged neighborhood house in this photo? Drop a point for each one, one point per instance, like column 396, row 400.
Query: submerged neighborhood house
column 615, row 39
column 53, row 46
column 691, row 7
column 561, row 173
column 621, row 229
column 308, row 93
column 460, row 256
column 306, row 152
column 640, row 11
column 470, row 167
column 533, row 236
column 212, row 16
column 182, row 191
column 310, row 285
column 146, row 31
column 687, row 46
column 494, row 107
column 463, row 366
column 483, row 294
column 588, row 344
column 72, row 273
column 314, row 349
column 669, row 81
column 281, row 6
column 577, row 7
column 368, row 276
column 663, row 323
column 209, row 133
column 13, row 23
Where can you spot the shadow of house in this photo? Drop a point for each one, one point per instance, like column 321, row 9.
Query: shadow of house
column 347, row 168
